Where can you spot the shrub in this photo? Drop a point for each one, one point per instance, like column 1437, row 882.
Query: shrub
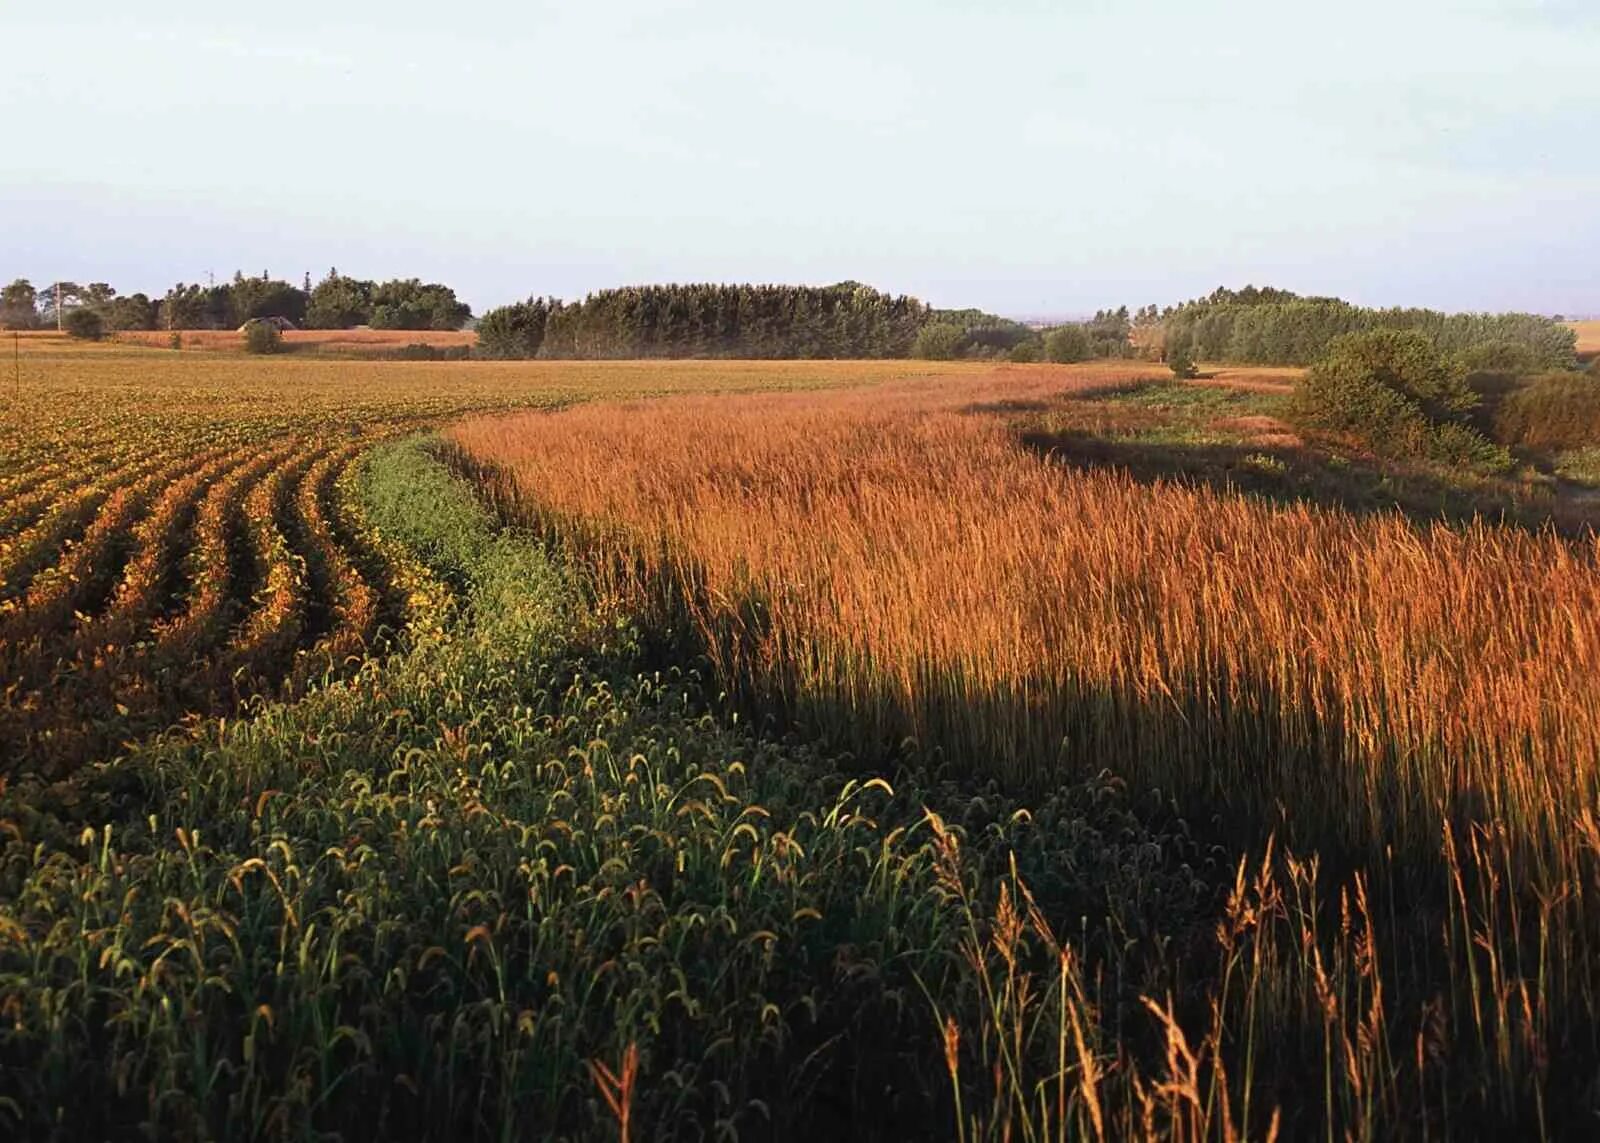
column 1025, row 353
column 1502, row 357
column 1068, row 343
column 1558, row 411
column 1181, row 361
column 84, row 324
column 262, row 337
column 1397, row 392
column 939, row 341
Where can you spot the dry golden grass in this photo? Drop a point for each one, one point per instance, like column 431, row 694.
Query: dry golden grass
column 893, row 559
column 1588, row 336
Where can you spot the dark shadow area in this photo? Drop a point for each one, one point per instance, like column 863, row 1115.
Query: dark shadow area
column 1299, row 475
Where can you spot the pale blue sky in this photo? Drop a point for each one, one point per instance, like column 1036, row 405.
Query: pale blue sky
column 1022, row 155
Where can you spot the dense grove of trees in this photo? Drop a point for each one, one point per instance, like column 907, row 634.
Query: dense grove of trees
column 24, row 306
column 516, row 330
column 337, row 302
column 984, row 334
column 1274, row 327
column 846, row 320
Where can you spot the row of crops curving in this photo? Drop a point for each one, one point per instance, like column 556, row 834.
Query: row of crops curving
column 178, row 535
column 144, row 584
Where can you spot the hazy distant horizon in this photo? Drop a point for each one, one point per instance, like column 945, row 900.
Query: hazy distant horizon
column 1031, row 159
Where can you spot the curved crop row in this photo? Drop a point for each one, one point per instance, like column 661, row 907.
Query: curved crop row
column 84, row 569
column 28, row 493
column 211, row 604
column 138, row 597
column 352, row 604
column 270, row 633
column 31, row 551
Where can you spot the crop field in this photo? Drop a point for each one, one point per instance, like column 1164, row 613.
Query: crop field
column 752, row 750
column 174, row 534
column 1588, row 337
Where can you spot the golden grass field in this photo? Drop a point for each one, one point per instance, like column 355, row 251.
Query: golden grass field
column 1588, row 336
column 895, row 560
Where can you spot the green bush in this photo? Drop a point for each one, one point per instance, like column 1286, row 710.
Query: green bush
column 1502, row 357
column 1394, row 390
column 84, row 324
column 1558, row 411
column 939, row 341
column 1025, row 353
column 1068, row 343
column 262, row 337
column 1180, row 359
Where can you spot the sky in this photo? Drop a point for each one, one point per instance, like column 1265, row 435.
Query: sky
column 1032, row 157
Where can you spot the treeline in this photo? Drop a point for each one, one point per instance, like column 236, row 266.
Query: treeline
column 847, row 320
column 1275, row 327
column 337, row 302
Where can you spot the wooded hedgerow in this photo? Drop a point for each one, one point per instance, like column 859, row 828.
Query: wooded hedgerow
column 847, row 320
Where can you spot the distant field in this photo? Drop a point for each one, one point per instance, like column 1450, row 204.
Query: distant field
column 1588, row 336
column 324, row 340
column 329, row 339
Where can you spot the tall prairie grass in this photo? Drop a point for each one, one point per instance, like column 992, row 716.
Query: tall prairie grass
column 892, row 563
column 1394, row 729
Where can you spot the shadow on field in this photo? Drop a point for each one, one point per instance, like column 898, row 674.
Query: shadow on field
column 1295, row 475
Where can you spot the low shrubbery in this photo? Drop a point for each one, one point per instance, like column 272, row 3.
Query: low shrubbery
column 1180, row 359
column 262, row 337
column 1558, row 411
column 84, row 324
column 1068, row 343
column 1395, row 391
column 1509, row 358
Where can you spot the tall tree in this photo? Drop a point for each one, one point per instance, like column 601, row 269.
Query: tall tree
column 19, row 305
